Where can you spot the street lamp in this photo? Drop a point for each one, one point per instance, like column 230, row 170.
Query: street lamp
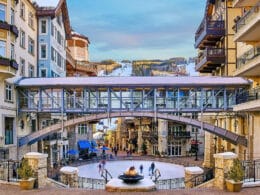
column 196, row 145
column 215, row 146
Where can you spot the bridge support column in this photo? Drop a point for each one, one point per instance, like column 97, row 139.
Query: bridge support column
column 140, row 139
column 38, row 161
column 162, row 136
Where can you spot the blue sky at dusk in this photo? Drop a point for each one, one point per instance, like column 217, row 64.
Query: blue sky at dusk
column 137, row 29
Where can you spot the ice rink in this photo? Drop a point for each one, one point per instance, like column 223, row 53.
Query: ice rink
column 116, row 168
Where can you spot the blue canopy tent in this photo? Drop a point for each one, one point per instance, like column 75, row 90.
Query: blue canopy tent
column 72, row 152
column 84, row 144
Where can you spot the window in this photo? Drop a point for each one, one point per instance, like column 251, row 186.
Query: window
column 43, row 73
column 2, row 12
column 82, row 129
column 52, row 53
column 43, row 27
column 31, row 70
column 12, row 51
column 9, row 130
column 22, row 67
column 43, row 51
column 59, row 19
column 2, row 48
column 22, row 10
column 22, row 38
column 12, row 16
column 30, row 19
column 30, row 45
column 52, row 29
column 59, row 60
column 8, row 92
column 59, row 37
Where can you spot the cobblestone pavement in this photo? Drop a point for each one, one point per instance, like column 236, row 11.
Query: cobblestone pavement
column 6, row 189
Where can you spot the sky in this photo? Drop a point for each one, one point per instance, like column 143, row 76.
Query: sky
column 137, row 29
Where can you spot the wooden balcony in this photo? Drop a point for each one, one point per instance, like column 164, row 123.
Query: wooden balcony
column 208, row 33
column 210, row 59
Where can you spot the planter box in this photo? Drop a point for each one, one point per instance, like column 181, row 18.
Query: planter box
column 27, row 184
column 233, row 186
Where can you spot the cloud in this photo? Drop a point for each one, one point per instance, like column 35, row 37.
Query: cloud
column 144, row 25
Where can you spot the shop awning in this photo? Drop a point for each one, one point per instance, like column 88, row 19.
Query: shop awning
column 84, row 144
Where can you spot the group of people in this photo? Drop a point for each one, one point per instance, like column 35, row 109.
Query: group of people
column 151, row 169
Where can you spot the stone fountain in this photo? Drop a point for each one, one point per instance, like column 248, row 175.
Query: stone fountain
column 130, row 181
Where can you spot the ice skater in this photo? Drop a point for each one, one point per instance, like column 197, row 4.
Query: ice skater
column 141, row 169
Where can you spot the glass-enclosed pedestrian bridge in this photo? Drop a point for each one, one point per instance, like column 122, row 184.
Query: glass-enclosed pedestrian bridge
column 90, row 95
column 96, row 98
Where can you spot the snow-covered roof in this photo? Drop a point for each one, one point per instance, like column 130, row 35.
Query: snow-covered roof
column 165, row 81
column 46, row 3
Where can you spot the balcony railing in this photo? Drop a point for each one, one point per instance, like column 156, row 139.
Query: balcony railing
column 4, row 25
column 248, row 56
column 209, row 30
column 248, row 95
column 9, row 62
column 210, row 56
column 251, row 14
column 180, row 134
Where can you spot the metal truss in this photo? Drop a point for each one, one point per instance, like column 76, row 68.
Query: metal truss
column 94, row 100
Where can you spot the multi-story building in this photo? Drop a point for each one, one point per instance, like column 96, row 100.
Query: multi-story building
column 228, row 40
column 78, row 56
column 247, row 39
column 8, row 69
column 217, row 57
column 18, row 46
column 53, row 30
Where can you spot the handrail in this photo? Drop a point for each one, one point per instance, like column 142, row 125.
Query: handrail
column 249, row 15
column 201, row 178
column 248, row 56
column 105, row 175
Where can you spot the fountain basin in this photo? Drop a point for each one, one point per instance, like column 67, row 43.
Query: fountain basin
column 131, row 178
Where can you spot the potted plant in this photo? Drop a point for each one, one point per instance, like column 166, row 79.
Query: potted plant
column 235, row 176
column 26, row 175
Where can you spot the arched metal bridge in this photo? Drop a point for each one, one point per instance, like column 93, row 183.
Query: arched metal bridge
column 99, row 97
column 223, row 133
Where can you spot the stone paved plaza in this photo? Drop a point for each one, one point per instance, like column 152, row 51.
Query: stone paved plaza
column 15, row 190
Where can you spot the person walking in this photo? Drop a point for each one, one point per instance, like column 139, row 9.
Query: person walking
column 152, row 167
column 99, row 168
column 141, row 169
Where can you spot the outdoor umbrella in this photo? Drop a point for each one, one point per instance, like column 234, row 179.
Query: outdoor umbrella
column 104, row 148
column 93, row 150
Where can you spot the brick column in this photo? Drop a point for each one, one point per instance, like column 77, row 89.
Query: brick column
column 191, row 172
column 223, row 162
column 38, row 162
column 140, row 140
column 162, row 136
column 69, row 176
